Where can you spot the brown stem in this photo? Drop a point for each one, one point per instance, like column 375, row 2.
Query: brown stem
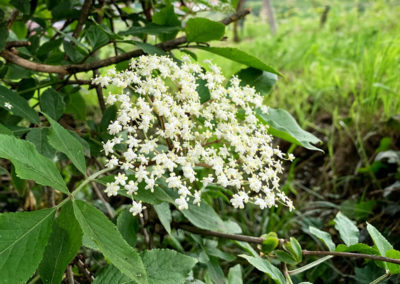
column 13, row 17
column 120, row 12
column 70, row 275
column 256, row 240
column 144, row 232
column 17, row 43
column 82, row 267
column 82, row 18
column 99, row 91
column 353, row 254
column 75, row 68
column 146, row 6
column 11, row 57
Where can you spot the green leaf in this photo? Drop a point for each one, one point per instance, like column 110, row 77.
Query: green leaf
column 5, row 130
column 212, row 250
column 74, row 52
column 284, row 126
column 22, row 5
column 361, row 248
column 16, row 72
column 109, row 115
column 76, row 106
column 111, row 274
column 348, row 231
column 164, row 214
column 380, row 242
column 19, row 184
column 203, row 30
column 393, row 268
column 29, row 164
column 167, row 17
column 266, row 267
column 20, row 106
column 203, row 90
column 323, row 237
column 262, row 81
column 151, row 29
column 165, row 266
column 3, row 34
column 285, row 257
column 204, row 217
column 295, row 249
column 20, row 30
column 66, row 143
column 128, row 226
column 215, row 271
column 27, row 87
column 149, row 48
column 105, row 235
column 52, row 103
column 64, row 10
column 235, row 275
column 241, row 57
column 96, row 37
column 24, row 237
column 65, row 242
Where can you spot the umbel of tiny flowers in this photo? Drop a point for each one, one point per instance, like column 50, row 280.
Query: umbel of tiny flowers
column 163, row 133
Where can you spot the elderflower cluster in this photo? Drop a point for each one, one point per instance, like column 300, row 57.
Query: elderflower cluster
column 167, row 129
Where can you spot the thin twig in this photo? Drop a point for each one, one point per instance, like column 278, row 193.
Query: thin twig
column 17, row 43
column 353, row 254
column 82, row 18
column 82, row 267
column 100, row 196
column 75, row 68
column 257, row 240
column 145, row 233
column 99, row 91
column 70, row 275
column 13, row 17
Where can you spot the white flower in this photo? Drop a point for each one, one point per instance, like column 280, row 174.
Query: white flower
column 207, row 180
column 166, row 133
column 197, row 197
column 189, row 173
column 237, row 201
column 131, row 187
column 255, row 184
column 174, row 181
column 136, row 208
column 130, row 155
column 121, row 179
column 114, row 128
column 8, row 105
column 112, row 162
column 112, row 189
column 261, row 202
column 111, row 99
column 108, row 147
column 181, row 203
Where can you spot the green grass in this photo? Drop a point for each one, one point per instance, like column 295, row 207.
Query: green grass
column 351, row 65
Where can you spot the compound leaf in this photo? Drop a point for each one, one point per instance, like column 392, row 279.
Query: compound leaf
column 29, row 164
column 23, row 237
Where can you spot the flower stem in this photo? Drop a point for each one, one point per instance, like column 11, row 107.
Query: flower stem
column 82, row 185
